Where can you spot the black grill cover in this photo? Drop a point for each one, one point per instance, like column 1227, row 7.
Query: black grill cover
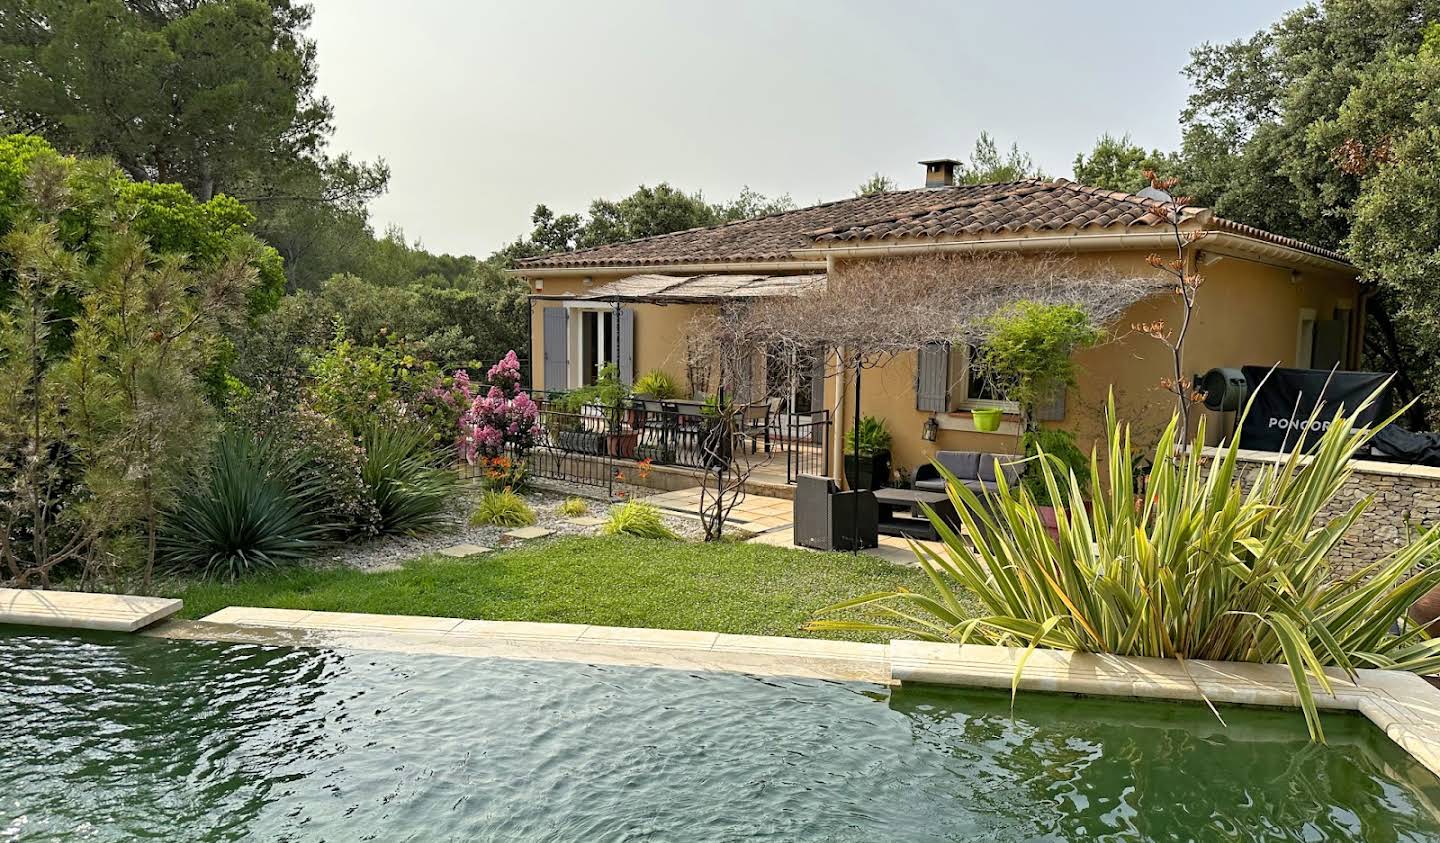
column 1397, row 444
column 1282, row 407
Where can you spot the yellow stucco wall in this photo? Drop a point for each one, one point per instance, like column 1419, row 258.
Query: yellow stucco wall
column 1248, row 313
column 659, row 331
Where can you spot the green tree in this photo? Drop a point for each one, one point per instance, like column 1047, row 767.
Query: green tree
column 988, row 165
column 1248, row 150
column 647, row 212
column 207, row 94
column 1117, row 164
column 876, row 184
column 172, row 221
column 1387, row 135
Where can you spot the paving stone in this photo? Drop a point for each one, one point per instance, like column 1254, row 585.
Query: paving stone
column 460, row 551
column 523, row 533
column 586, row 521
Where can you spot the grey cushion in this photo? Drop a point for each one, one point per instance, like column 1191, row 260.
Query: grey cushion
column 936, row 485
column 988, row 463
column 980, row 487
column 963, row 464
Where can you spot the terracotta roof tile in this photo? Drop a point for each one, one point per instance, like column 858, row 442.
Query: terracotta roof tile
column 961, row 211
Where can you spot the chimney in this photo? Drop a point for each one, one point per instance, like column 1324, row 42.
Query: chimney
column 940, row 172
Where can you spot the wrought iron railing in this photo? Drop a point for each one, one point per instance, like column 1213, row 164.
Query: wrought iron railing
column 591, row 443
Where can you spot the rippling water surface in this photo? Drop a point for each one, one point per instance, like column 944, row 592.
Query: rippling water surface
column 122, row 738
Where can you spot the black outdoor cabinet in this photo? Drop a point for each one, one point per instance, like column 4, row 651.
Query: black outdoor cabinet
column 828, row 519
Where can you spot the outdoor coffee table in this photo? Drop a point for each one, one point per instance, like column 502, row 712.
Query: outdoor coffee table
column 893, row 501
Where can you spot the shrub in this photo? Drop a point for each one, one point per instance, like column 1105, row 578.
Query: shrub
column 1059, row 447
column 1027, row 351
column 1197, row 569
column 322, row 450
column 658, row 384
column 409, row 479
column 874, row 437
column 574, row 507
column 637, row 518
column 502, row 509
column 252, row 510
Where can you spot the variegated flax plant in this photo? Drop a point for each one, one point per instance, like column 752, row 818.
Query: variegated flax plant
column 1200, row 568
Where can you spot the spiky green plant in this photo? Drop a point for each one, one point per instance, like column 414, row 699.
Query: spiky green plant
column 1198, row 569
column 410, row 479
column 574, row 507
column 637, row 518
column 251, row 510
column 657, row 383
column 502, row 508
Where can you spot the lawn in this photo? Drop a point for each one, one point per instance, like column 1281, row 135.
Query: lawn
column 609, row 581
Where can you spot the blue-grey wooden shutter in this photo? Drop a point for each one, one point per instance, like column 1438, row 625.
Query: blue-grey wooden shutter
column 556, row 345
column 1052, row 406
column 932, row 377
column 626, row 339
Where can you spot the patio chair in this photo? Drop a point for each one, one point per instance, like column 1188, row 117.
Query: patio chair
column 826, row 518
column 755, row 424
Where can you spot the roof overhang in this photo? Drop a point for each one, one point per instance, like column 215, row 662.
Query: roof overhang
column 710, row 288
column 620, row 271
column 1217, row 242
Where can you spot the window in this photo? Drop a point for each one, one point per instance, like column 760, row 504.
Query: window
column 792, row 375
column 974, row 389
column 949, row 378
column 592, row 343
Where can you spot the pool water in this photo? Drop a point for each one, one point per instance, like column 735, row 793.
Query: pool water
column 107, row 737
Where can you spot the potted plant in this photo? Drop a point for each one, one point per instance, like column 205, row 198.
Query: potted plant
column 987, row 419
column 612, row 396
column 871, row 468
column 656, row 384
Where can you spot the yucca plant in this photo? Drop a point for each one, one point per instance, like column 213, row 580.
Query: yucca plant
column 1197, row 569
column 411, row 479
column 251, row 510
column 502, row 508
column 637, row 518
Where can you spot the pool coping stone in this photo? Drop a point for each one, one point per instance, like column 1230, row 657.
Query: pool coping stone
column 1402, row 705
column 83, row 610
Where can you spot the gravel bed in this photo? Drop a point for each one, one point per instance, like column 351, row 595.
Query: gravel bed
column 388, row 553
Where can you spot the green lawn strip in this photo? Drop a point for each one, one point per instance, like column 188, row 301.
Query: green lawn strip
column 607, row 581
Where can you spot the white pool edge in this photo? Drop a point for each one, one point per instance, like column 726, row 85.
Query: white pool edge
column 1402, row 705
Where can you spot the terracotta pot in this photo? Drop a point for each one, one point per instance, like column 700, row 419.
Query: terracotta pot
column 1426, row 611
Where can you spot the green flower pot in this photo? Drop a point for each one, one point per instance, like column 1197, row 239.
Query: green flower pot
column 987, row 418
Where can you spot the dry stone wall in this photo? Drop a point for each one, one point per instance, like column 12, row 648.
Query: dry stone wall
column 1406, row 499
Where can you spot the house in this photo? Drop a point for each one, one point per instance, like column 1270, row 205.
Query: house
column 1266, row 299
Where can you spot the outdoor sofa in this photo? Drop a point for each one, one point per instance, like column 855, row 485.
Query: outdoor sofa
column 975, row 469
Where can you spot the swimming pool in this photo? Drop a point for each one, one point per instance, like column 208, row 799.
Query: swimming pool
column 121, row 737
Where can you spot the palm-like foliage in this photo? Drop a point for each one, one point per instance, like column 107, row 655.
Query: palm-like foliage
column 1198, row 569
column 410, row 479
column 252, row 510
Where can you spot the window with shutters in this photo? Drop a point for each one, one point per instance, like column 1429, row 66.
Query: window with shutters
column 950, row 378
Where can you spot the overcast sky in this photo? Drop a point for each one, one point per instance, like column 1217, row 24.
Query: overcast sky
column 483, row 109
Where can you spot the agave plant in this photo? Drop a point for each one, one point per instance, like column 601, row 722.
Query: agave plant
column 253, row 509
column 1197, row 568
column 411, row 480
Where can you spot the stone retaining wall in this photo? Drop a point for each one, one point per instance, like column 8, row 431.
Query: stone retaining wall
column 1406, row 498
